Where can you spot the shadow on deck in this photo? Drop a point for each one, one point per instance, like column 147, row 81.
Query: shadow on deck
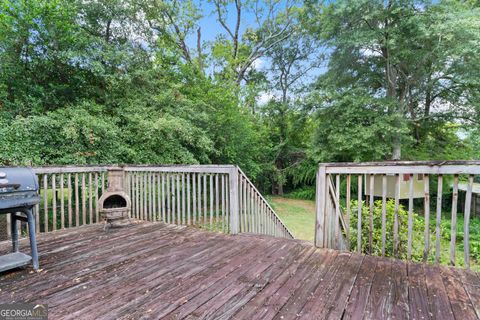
column 153, row 270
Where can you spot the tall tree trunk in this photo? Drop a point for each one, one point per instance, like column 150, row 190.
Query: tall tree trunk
column 280, row 189
column 396, row 148
column 391, row 88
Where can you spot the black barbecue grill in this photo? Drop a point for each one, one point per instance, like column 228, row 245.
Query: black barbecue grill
column 18, row 196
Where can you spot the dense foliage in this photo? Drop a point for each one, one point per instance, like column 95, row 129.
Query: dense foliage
column 417, row 230
column 418, row 233
column 286, row 85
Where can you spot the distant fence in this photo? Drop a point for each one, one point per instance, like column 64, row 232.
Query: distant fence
column 373, row 195
column 214, row 197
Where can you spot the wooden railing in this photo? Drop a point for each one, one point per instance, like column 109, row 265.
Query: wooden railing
column 256, row 214
column 69, row 197
column 200, row 195
column 214, row 197
column 183, row 195
column 374, row 195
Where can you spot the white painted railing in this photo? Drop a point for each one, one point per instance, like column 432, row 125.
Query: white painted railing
column 339, row 185
column 214, row 197
column 256, row 215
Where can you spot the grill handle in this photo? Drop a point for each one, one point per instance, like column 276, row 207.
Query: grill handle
column 10, row 185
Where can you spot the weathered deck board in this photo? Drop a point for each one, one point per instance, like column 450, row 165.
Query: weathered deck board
column 154, row 270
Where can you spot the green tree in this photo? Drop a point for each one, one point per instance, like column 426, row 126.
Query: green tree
column 401, row 51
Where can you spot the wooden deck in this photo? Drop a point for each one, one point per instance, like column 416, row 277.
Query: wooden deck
column 152, row 270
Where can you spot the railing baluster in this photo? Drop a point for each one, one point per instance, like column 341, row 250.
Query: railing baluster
column 359, row 219
column 37, row 218
column 466, row 224
column 241, row 203
column 269, row 222
column 453, row 232
column 370, row 209
column 189, row 204
column 156, row 197
column 62, row 201
column 183, row 200
column 227, row 203
column 257, row 213
column 97, row 213
column 247, row 206
column 145, row 197
column 320, row 206
column 174, row 198
column 233, row 184
column 69, row 200
column 224, row 216
column 54, row 202
column 90, row 199
column 217, row 216
column 205, row 203
column 163, row 198
column 194, row 194
column 179, row 208
column 438, row 218
column 252, row 210
column 140, row 195
column 151, row 189
column 410, row 218
column 141, row 204
column 199, row 199
column 77, row 201
column 265, row 218
column 396, row 240
column 167, row 187
column 245, row 209
column 244, row 205
column 211, row 202
column 45, row 202
column 158, row 212
column 384, row 212
column 338, row 235
column 137, row 196
column 84, row 200
column 426, row 250
column 348, row 213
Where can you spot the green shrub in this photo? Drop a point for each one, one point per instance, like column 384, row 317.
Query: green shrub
column 304, row 193
column 474, row 236
column 418, row 227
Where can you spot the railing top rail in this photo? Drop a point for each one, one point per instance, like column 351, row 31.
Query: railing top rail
column 137, row 168
column 181, row 168
column 403, row 167
column 70, row 169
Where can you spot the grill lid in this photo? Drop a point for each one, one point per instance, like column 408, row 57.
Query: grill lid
column 13, row 180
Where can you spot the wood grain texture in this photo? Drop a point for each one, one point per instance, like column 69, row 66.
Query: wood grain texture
column 156, row 270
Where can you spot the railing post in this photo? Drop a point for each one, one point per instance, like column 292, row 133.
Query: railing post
column 320, row 203
column 234, row 208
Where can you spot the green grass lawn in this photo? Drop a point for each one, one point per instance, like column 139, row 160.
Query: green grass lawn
column 298, row 215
